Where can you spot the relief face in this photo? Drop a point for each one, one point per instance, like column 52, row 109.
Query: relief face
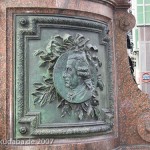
column 77, row 77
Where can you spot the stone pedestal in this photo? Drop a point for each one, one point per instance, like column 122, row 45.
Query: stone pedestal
column 121, row 115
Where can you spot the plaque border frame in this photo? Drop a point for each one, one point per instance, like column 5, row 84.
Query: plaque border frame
column 29, row 26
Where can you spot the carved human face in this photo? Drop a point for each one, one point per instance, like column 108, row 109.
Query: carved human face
column 70, row 75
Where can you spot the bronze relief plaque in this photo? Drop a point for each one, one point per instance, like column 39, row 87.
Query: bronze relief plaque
column 63, row 80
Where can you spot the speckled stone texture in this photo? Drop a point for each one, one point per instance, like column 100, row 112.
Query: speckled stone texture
column 132, row 107
column 132, row 103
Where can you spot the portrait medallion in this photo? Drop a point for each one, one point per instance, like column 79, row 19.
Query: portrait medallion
column 75, row 77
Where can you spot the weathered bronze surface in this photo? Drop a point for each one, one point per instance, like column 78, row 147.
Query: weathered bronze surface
column 63, row 76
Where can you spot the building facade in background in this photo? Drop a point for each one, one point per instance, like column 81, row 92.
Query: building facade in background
column 141, row 40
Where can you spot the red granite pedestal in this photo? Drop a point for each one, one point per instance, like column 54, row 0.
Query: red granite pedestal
column 131, row 107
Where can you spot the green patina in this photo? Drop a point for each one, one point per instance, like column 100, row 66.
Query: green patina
column 62, row 83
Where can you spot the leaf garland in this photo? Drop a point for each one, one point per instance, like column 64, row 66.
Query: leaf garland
column 45, row 91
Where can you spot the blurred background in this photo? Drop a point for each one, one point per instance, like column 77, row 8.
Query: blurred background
column 138, row 44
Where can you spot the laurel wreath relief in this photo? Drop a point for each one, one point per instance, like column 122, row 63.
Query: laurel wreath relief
column 45, row 92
